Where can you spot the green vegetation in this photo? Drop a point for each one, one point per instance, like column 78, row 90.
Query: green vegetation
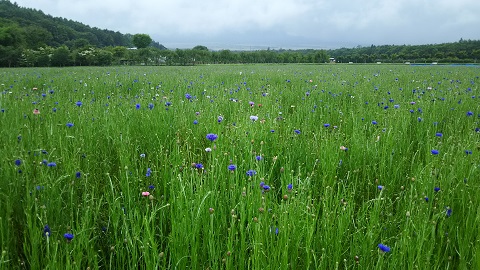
column 313, row 167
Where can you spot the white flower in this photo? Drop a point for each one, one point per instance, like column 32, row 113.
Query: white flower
column 208, row 149
column 253, row 118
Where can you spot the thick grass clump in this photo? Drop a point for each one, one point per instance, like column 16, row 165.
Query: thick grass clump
column 240, row 167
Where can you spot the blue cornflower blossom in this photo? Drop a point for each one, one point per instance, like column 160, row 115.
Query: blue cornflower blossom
column 436, row 189
column 434, row 152
column 150, row 106
column 211, row 137
column 78, row 103
column 326, row 125
column 18, row 162
column 188, row 96
column 289, row 187
column 149, row 172
column 374, row 122
column 195, row 122
column 168, row 103
column 258, row 158
column 232, row 167
column 78, row 174
column 151, row 187
column 251, row 172
column 380, row 187
column 68, row 236
column 383, row 248
column 219, row 119
column 51, row 164
column 448, row 211
column 266, row 188
column 46, row 231
column 199, row 166
column 69, row 124
column 469, row 113
column 253, row 118
column 438, row 134
column 137, row 106
column 297, row 131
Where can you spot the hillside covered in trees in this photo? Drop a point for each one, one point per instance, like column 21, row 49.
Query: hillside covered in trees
column 30, row 38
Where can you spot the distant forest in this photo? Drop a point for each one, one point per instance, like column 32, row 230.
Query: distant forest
column 30, row 38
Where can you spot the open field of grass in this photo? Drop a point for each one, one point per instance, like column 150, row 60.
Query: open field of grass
column 240, row 167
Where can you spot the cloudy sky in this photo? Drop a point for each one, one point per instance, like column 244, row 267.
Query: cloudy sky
column 288, row 24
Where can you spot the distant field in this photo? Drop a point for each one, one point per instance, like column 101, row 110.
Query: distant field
column 240, row 167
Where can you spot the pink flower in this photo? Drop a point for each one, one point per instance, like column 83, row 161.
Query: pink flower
column 36, row 112
column 145, row 193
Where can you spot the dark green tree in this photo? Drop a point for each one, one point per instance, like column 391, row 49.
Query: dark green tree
column 141, row 40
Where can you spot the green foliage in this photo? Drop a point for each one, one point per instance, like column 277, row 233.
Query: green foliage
column 141, row 40
column 333, row 216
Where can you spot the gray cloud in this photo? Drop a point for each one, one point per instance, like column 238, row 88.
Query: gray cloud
column 280, row 23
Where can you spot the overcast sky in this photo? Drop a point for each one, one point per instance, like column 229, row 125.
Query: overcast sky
column 244, row 24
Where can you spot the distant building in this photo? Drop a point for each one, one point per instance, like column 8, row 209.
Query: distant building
column 332, row 60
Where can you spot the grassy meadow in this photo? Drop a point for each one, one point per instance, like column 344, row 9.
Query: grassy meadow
column 240, row 167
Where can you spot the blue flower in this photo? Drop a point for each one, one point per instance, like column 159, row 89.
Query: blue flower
column 232, row 167
column 150, row 106
column 219, row 119
column 448, row 211
column 149, row 172
column 426, row 199
column 51, row 164
column 151, row 187
column 469, row 113
column 69, row 124
column 68, row 236
column 383, row 248
column 78, row 174
column 18, row 162
column 195, row 122
column 137, row 106
column 326, row 125
column 78, row 103
column 434, row 152
column 438, row 134
column 262, row 184
column 297, row 131
column 253, row 118
column 46, row 231
column 211, row 137
column 199, row 166
column 436, row 189
column 266, row 188
column 380, row 187
column 289, row 186
column 188, row 96
column 251, row 172
column 468, row 152
column 374, row 122
column 168, row 103
column 258, row 158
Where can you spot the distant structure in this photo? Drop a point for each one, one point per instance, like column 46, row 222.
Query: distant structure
column 332, row 60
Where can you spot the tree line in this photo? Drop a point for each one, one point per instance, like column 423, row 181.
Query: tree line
column 30, row 38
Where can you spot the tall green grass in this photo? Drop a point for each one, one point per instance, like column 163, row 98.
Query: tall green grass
column 361, row 173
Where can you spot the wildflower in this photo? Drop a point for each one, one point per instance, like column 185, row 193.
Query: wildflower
column 326, row 125
column 68, row 236
column 199, row 166
column 380, row 187
column 383, row 248
column 195, row 122
column 251, row 103
column 168, row 103
column 36, row 112
column 374, row 122
column 468, row 152
column 208, row 149
column 251, row 173
column 434, row 152
column 151, row 187
column 150, row 106
column 78, row 103
column 289, row 187
column 219, row 119
column 253, row 118
column 69, row 124
column 272, row 131
column 396, row 106
column 297, row 131
column 343, row 148
column 436, row 189
column 258, row 158
column 232, row 167
column 448, row 211
column 211, row 137
column 142, row 155
column 145, row 193
column 18, row 162
column 469, row 113
column 137, row 106
column 149, row 172
column 266, row 188
column 51, row 164
column 46, row 231
column 426, row 199
column 54, row 109
column 439, row 134
column 78, row 174
column 188, row 96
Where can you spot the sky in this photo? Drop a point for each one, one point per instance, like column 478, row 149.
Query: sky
column 276, row 24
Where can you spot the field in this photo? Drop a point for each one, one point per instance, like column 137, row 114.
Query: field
column 240, row 167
